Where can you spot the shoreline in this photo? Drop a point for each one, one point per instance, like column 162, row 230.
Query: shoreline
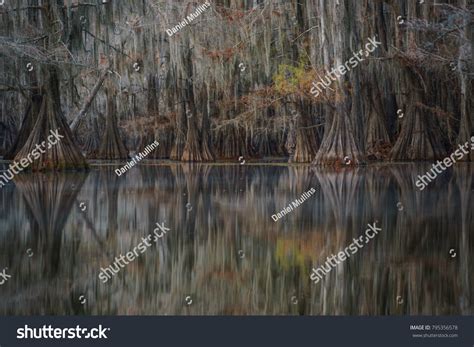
column 166, row 162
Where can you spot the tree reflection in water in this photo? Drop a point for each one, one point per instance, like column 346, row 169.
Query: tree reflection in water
column 225, row 251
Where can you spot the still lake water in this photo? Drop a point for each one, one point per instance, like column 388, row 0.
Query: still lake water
column 224, row 255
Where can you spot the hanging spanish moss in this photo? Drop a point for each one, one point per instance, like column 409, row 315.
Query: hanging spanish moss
column 239, row 79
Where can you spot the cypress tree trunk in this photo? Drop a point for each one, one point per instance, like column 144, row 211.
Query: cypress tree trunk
column 206, row 144
column 377, row 140
column 465, row 71
column 65, row 153
column 92, row 141
column 290, row 144
column 180, row 129
column 306, row 146
column 29, row 119
column 112, row 146
column 420, row 136
column 339, row 144
column 192, row 148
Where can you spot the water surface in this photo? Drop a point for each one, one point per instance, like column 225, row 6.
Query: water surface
column 224, row 255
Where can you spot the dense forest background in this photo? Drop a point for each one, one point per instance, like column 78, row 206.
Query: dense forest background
column 236, row 81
